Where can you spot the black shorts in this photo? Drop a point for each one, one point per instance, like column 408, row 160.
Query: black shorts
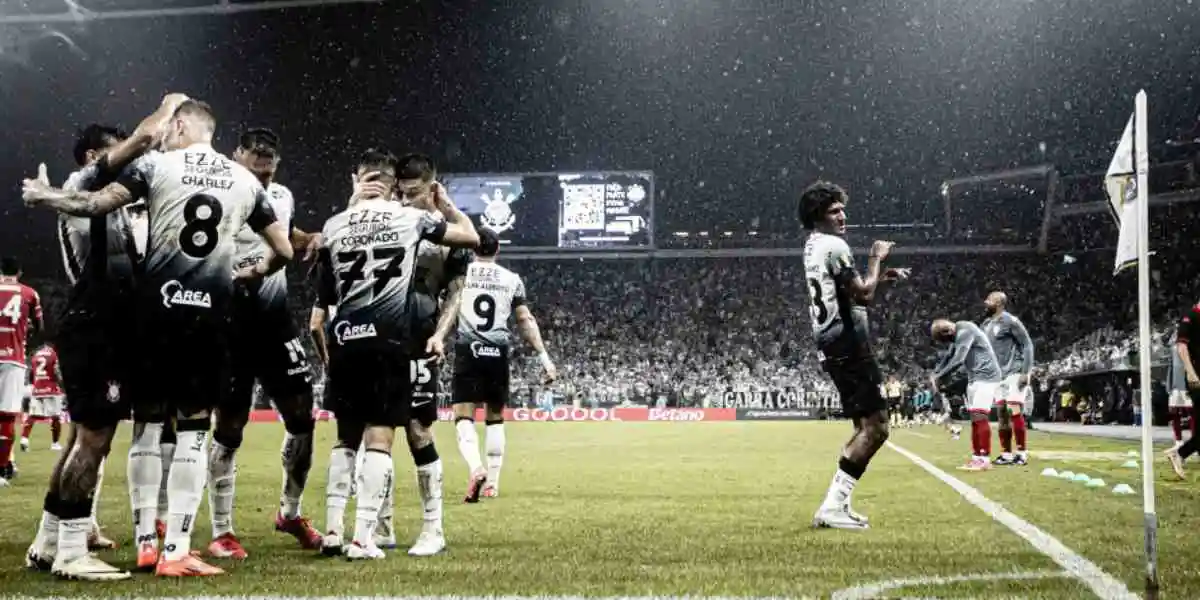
column 265, row 346
column 481, row 375
column 423, row 376
column 857, row 381
column 98, row 354
column 369, row 383
column 184, row 359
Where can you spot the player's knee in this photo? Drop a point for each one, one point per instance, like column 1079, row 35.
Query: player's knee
column 494, row 415
column 423, row 455
column 419, row 437
column 349, row 433
column 299, row 423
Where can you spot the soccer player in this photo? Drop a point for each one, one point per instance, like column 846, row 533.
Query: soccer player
column 971, row 351
column 1014, row 349
column 20, row 315
column 491, row 295
column 46, row 396
column 197, row 200
column 1179, row 402
column 1187, row 347
column 838, row 300
column 264, row 346
column 367, row 269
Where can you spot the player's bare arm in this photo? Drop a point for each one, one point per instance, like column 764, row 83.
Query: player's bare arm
column 460, row 232
column 276, row 237
column 147, row 133
column 308, row 242
column 528, row 327
column 36, row 192
column 864, row 288
column 1193, row 380
column 316, row 326
column 448, row 319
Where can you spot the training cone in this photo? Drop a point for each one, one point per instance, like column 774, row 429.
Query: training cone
column 1122, row 488
column 1081, row 478
column 1049, row 472
column 1130, row 464
column 1066, row 475
column 1096, row 483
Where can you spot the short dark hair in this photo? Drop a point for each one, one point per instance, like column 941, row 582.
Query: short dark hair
column 95, row 137
column 259, row 139
column 198, row 108
column 10, row 266
column 376, row 158
column 489, row 242
column 816, row 199
column 416, row 166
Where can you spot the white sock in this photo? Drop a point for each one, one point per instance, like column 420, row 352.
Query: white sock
column 145, row 475
column 495, row 453
column 338, row 488
column 374, row 483
column 297, row 461
column 96, row 494
column 222, row 476
column 468, row 444
column 73, row 538
column 45, row 544
column 840, row 490
column 358, row 458
column 429, row 482
column 168, row 456
column 185, row 487
column 387, row 508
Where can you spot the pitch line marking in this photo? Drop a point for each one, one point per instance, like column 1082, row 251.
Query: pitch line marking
column 503, row 597
column 1101, row 584
column 874, row 590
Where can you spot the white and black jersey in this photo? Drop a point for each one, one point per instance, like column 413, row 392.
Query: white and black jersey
column 271, row 293
column 368, row 266
column 491, row 293
column 839, row 324
column 197, row 200
column 98, row 252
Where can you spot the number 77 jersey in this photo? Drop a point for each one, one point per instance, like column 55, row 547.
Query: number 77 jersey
column 367, row 265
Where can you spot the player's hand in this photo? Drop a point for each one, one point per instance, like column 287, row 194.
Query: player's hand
column 896, row 274
column 247, row 275
column 550, row 375
column 174, row 99
column 313, row 247
column 1193, row 380
column 881, row 249
column 435, row 348
column 441, row 198
column 33, row 191
column 369, row 186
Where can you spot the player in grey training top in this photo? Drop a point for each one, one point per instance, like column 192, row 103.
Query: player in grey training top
column 1014, row 350
column 971, row 352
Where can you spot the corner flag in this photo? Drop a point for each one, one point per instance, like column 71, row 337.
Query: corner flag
column 1121, row 184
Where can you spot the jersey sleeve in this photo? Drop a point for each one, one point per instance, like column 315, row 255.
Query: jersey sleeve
column 840, row 262
column 261, row 214
column 518, row 292
column 1021, row 334
column 431, row 228
column 35, row 308
column 457, row 262
column 138, row 177
column 1189, row 326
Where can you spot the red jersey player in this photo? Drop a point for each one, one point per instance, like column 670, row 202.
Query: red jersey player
column 20, row 310
column 46, row 397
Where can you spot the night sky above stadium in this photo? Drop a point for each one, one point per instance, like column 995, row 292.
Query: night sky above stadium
column 725, row 101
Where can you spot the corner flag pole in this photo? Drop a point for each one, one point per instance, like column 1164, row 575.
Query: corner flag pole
column 1141, row 158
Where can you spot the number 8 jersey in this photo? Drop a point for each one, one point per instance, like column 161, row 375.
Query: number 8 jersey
column 197, row 200
column 839, row 324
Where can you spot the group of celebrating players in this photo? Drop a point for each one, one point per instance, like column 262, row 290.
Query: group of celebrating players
column 161, row 230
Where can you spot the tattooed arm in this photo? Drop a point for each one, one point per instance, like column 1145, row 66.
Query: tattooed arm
column 77, row 203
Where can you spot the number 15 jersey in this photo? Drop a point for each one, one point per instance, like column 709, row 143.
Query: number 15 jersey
column 839, row 324
column 197, row 200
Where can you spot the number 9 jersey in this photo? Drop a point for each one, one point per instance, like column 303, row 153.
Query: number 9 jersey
column 839, row 324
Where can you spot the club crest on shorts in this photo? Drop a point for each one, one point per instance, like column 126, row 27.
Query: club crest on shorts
column 345, row 331
column 174, row 294
column 497, row 211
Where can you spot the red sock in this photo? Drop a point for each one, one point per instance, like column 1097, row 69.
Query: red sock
column 7, row 430
column 1018, row 428
column 981, row 437
column 27, row 428
column 55, row 429
column 1006, row 435
column 1177, row 423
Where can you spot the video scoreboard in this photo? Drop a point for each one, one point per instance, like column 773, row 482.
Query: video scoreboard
column 578, row 210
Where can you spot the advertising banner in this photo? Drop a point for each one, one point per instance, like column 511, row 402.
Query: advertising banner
column 566, row 414
column 776, row 414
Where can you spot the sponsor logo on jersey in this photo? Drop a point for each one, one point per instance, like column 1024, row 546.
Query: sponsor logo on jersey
column 344, row 331
column 481, row 350
column 248, row 261
column 174, row 294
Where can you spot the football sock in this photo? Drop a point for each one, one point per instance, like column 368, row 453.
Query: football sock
column 338, row 488
column 222, row 475
column 841, row 489
column 1006, row 438
column 429, row 482
column 981, row 437
column 167, row 450
column 297, row 461
column 27, row 429
column 1019, row 430
column 7, row 431
column 1177, row 424
column 55, row 429
column 1191, row 417
column 495, row 453
column 145, row 474
column 185, row 487
column 374, row 484
column 73, row 535
column 1189, row 447
column 468, row 443
column 45, row 544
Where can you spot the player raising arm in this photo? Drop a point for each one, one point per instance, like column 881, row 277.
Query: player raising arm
column 971, row 350
column 1014, row 350
column 491, row 294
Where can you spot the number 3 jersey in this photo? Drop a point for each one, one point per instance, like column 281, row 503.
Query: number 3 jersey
column 367, row 268
column 839, row 324
column 197, row 200
column 490, row 295
column 271, row 293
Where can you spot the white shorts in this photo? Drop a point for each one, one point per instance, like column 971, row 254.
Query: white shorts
column 1012, row 392
column 46, row 407
column 12, row 388
column 981, row 395
column 1179, row 399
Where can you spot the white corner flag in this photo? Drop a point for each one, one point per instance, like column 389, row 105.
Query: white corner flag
column 1129, row 195
column 1121, row 184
